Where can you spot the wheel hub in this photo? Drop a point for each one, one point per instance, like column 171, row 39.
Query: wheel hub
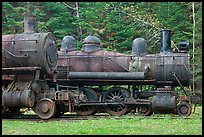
column 116, row 95
column 45, row 108
column 116, row 99
column 145, row 110
column 184, row 109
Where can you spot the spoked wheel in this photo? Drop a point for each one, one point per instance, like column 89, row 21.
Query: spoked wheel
column 116, row 95
column 45, row 108
column 184, row 109
column 90, row 96
column 145, row 110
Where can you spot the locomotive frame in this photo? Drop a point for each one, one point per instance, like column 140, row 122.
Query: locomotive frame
column 70, row 81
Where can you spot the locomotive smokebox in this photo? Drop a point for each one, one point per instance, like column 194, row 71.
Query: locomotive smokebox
column 30, row 49
column 165, row 40
column 29, row 24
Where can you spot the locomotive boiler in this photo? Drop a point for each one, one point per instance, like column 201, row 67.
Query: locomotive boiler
column 90, row 80
column 164, row 70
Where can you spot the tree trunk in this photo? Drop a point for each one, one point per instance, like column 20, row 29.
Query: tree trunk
column 79, row 29
column 193, row 9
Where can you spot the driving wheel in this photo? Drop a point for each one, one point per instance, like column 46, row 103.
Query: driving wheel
column 90, row 96
column 118, row 96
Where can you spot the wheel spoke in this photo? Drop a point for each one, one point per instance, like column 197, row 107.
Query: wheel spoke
column 120, row 106
column 121, row 96
column 110, row 97
column 112, row 94
column 117, row 95
column 109, row 100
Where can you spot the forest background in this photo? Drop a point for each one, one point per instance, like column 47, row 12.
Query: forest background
column 117, row 24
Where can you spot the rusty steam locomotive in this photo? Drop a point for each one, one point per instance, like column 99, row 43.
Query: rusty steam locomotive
column 36, row 75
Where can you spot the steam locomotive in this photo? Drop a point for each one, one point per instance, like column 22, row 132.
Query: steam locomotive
column 52, row 82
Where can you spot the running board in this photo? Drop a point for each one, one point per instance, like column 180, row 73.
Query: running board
column 129, row 102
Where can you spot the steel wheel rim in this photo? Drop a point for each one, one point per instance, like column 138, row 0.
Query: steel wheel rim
column 90, row 96
column 184, row 109
column 144, row 110
column 116, row 95
column 45, row 108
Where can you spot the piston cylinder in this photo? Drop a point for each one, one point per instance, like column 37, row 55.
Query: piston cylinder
column 18, row 98
column 163, row 102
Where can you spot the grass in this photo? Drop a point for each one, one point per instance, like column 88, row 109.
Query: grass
column 129, row 125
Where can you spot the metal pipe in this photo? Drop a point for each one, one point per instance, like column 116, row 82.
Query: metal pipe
column 29, row 24
column 107, row 75
column 165, row 40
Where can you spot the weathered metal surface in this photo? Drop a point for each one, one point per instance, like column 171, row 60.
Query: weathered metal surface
column 21, row 69
column 18, row 98
column 165, row 41
column 68, row 44
column 29, row 50
column 90, row 96
column 5, row 44
column 91, row 44
column 22, row 90
column 168, row 64
column 118, row 95
column 29, row 24
column 107, row 75
column 45, row 108
column 139, row 47
column 163, row 102
column 145, row 110
column 92, row 40
column 100, row 61
column 62, row 96
column 162, row 66
column 184, row 109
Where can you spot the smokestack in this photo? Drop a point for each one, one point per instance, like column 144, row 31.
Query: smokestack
column 29, row 24
column 165, row 40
